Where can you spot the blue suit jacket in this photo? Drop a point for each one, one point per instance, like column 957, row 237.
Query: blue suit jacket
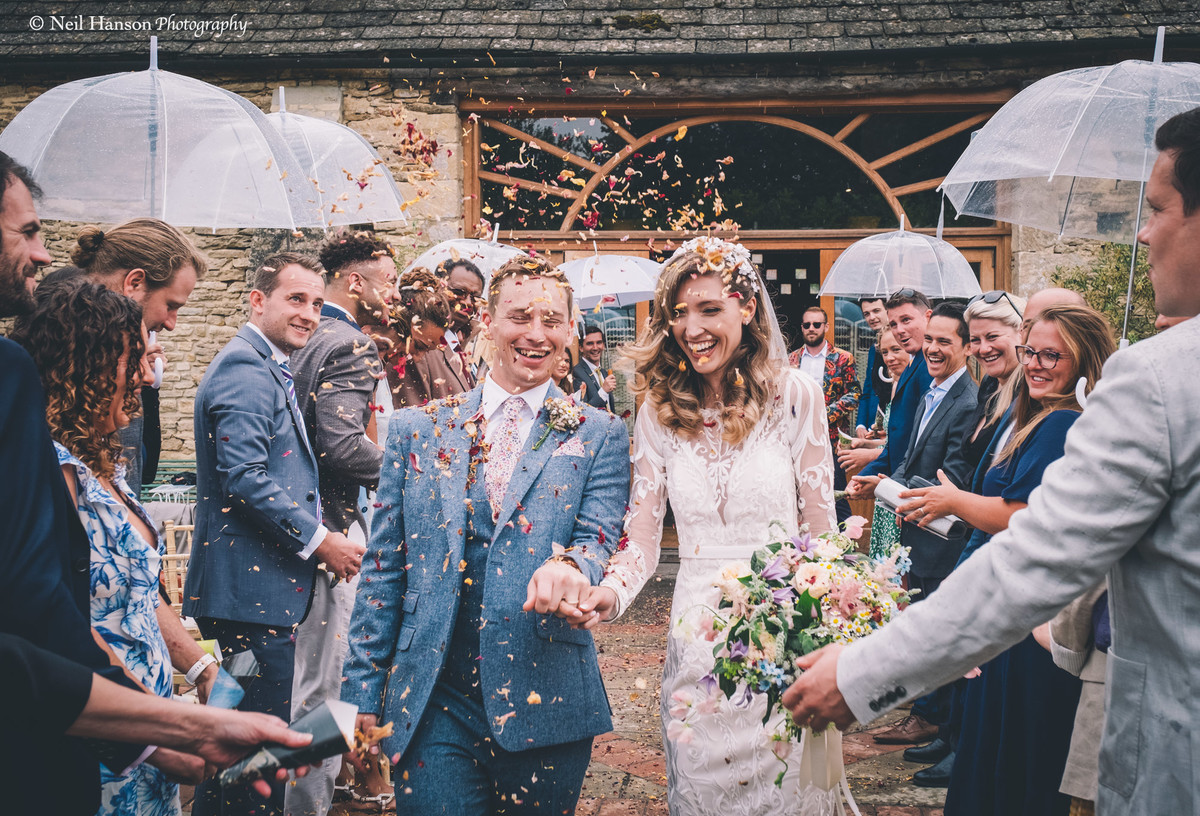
column 571, row 491
column 906, row 398
column 44, row 588
column 868, row 400
column 256, row 489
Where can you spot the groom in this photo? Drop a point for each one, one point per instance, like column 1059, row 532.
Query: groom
column 490, row 515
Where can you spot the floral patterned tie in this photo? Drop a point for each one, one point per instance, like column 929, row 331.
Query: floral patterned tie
column 503, row 455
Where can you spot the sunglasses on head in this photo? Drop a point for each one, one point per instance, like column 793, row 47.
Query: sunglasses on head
column 995, row 296
column 906, row 292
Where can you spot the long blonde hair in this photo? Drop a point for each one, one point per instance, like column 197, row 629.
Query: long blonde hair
column 1007, row 311
column 665, row 376
column 1089, row 340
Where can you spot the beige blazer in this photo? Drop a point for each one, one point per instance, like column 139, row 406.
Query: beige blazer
column 1124, row 501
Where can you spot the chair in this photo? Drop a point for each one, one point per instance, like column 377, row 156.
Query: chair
column 178, row 541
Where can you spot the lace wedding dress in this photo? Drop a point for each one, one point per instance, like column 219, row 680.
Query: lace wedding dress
column 724, row 497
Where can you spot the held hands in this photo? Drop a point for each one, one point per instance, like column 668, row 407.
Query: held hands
column 814, row 699
column 863, row 487
column 342, row 556
column 930, row 503
column 556, row 588
column 597, row 606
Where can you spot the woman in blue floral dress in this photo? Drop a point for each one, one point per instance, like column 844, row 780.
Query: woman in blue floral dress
column 88, row 344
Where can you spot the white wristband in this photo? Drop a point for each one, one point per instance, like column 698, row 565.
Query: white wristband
column 197, row 669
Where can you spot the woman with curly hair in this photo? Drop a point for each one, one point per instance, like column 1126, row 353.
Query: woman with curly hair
column 89, row 346
column 734, row 438
column 419, row 365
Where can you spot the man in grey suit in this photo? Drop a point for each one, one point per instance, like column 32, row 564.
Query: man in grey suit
column 935, row 451
column 495, row 507
column 259, row 534
column 337, row 373
column 1124, row 500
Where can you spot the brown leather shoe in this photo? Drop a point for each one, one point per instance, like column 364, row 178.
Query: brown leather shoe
column 912, row 729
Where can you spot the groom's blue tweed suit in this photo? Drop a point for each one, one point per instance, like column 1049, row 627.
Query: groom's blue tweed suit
column 418, row 618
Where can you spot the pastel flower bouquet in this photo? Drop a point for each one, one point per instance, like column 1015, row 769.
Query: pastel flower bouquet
column 797, row 594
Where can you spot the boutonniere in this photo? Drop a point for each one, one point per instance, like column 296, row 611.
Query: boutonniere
column 563, row 414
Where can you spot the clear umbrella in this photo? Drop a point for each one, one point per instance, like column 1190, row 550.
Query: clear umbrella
column 879, row 265
column 349, row 180
column 1071, row 153
column 611, row 280
column 154, row 143
column 487, row 255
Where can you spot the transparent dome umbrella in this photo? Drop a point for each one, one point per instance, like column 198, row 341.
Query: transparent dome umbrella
column 879, row 265
column 347, row 177
column 154, row 143
column 1071, row 153
column 487, row 255
column 611, row 280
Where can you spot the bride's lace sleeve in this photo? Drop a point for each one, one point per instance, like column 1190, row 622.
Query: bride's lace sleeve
column 632, row 565
column 811, row 452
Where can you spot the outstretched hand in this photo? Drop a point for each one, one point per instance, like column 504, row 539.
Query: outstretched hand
column 227, row 735
column 815, row 700
column 930, row 503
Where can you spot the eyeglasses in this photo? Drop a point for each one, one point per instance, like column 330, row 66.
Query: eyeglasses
column 994, row 296
column 812, row 325
column 1046, row 358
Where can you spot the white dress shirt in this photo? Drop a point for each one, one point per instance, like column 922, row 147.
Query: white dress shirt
column 934, row 396
column 814, row 364
column 494, row 396
column 598, row 376
column 319, row 534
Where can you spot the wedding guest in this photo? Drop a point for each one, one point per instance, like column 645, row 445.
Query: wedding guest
column 1018, row 713
column 464, row 281
column 1050, row 296
column 598, row 385
column 885, row 525
column 89, row 346
column 994, row 322
column 414, row 354
column 872, row 400
column 157, row 266
column 564, row 375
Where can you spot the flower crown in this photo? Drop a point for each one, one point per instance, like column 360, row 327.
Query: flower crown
column 726, row 258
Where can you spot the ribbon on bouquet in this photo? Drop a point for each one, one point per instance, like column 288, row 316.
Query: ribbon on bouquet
column 821, row 766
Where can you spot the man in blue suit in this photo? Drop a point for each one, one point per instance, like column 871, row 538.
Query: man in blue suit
column 908, row 316
column 259, row 534
column 495, row 506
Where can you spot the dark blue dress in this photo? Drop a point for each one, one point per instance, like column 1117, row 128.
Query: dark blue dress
column 1019, row 713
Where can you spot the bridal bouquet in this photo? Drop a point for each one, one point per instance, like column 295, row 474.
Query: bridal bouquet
column 797, row 594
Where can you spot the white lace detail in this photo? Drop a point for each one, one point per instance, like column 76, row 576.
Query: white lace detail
column 724, row 497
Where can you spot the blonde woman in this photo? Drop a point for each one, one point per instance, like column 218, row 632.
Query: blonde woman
column 735, row 439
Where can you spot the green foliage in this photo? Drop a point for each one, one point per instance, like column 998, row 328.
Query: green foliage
column 1105, row 283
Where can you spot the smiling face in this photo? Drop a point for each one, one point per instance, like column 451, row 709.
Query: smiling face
column 708, row 324
column 530, row 326
column 1044, row 381
column 908, row 324
column 994, row 345
column 945, row 352
column 290, row 314
column 875, row 314
column 592, row 347
column 894, row 356
column 1173, row 240
column 21, row 249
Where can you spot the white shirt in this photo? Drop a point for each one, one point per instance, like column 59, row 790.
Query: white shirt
column 814, row 364
column 934, row 397
column 346, row 312
column 494, row 396
column 319, row 535
column 598, row 376
column 451, row 338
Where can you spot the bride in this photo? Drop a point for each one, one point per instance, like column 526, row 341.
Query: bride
column 735, row 439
